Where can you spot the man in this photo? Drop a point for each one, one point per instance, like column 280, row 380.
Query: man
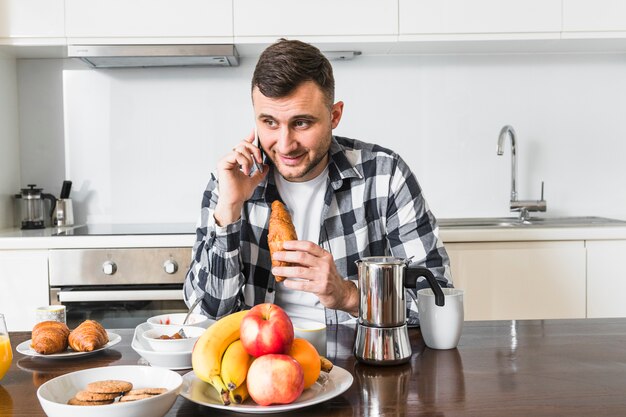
column 348, row 200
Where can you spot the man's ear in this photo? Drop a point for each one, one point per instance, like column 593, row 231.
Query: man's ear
column 335, row 112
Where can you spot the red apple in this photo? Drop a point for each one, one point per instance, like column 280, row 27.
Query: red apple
column 266, row 328
column 275, row 379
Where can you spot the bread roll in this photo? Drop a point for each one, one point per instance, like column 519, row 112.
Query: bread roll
column 281, row 228
column 49, row 337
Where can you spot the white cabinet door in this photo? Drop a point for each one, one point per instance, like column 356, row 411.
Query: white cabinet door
column 520, row 280
column 606, row 278
column 276, row 18
column 479, row 16
column 23, row 286
column 32, row 19
column 594, row 15
column 147, row 19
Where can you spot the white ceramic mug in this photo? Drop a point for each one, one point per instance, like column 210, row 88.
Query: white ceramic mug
column 50, row 313
column 441, row 325
column 313, row 331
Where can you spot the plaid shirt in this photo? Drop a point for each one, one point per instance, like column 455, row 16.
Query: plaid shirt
column 373, row 206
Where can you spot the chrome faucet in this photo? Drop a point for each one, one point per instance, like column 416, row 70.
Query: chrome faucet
column 523, row 206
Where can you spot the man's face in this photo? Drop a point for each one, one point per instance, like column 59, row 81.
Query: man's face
column 295, row 131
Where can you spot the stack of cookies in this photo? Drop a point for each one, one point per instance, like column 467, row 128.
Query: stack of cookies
column 106, row 392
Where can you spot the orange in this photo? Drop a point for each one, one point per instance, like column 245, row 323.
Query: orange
column 308, row 358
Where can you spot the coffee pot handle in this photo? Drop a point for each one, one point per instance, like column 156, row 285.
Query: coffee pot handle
column 53, row 201
column 410, row 281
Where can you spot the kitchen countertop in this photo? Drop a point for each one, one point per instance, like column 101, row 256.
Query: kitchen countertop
column 44, row 238
column 501, row 368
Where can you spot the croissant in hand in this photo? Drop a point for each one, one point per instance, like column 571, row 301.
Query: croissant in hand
column 281, row 228
column 49, row 337
column 88, row 336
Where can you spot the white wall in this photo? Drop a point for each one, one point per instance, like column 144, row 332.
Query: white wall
column 9, row 140
column 141, row 142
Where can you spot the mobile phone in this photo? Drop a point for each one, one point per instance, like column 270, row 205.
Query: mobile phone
column 258, row 144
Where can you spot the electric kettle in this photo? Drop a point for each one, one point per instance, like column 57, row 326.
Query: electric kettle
column 32, row 209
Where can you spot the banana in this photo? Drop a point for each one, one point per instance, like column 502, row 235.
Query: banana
column 239, row 394
column 206, row 357
column 235, row 364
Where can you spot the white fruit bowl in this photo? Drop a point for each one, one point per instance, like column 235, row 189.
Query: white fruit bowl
column 151, row 337
column 176, row 319
column 54, row 394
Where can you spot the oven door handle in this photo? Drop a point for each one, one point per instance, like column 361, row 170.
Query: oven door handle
column 132, row 295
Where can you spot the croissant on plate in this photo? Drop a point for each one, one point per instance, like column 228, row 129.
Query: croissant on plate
column 49, row 337
column 281, row 228
column 88, row 336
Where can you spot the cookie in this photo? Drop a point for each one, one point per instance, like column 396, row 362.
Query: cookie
column 127, row 398
column 109, row 386
column 94, row 396
column 149, row 391
column 75, row 401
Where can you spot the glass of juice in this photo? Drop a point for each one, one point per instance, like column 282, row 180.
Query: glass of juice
column 6, row 355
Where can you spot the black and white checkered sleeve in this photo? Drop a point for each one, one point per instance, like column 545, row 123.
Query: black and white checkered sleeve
column 215, row 273
column 412, row 231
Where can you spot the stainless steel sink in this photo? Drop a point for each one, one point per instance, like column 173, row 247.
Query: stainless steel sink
column 510, row 222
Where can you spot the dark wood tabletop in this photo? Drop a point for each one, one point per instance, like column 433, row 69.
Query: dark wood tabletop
column 520, row 368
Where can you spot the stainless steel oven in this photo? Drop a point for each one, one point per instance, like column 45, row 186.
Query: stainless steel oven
column 120, row 288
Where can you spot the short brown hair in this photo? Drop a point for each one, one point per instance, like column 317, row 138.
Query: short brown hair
column 286, row 64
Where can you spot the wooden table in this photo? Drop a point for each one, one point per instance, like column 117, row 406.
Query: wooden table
column 523, row 368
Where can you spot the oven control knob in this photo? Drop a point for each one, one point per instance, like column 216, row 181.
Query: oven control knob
column 170, row 266
column 109, row 267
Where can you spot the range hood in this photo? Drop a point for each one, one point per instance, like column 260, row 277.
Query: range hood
column 129, row 56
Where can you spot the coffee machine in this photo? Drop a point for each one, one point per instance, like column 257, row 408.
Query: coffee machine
column 381, row 335
column 32, row 209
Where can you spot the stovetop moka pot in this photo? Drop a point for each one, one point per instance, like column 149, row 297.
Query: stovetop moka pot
column 31, row 207
column 382, row 337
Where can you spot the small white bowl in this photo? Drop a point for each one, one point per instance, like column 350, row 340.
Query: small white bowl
column 169, row 360
column 151, row 337
column 197, row 320
column 54, row 394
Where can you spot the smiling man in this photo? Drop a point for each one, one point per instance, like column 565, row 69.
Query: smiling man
column 348, row 199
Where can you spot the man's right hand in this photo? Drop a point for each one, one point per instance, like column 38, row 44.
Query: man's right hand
column 236, row 185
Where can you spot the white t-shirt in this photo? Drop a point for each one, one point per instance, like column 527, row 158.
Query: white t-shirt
column 305, row 201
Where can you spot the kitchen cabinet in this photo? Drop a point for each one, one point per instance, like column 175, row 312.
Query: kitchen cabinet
column 520, row 280
column 148, row 21
column 24, row 286
column 324, row 18
column 593, row 16
column 506, row 18
column 32, row 22
column 606, row 278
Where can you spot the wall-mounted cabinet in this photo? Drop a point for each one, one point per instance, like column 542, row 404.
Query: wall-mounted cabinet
column 593, row 18
column 363, row 19
column 371, row 26
column 25, row 22
column 506, row 18
column 149, row 21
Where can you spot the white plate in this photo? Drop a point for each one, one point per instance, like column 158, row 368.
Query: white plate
column 200, row 392
column 169, row 360
column 25, row 349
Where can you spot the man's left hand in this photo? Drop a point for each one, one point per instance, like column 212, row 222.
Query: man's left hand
column 315, row 272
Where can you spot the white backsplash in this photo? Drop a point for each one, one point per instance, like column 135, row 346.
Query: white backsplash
column 140, row 143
